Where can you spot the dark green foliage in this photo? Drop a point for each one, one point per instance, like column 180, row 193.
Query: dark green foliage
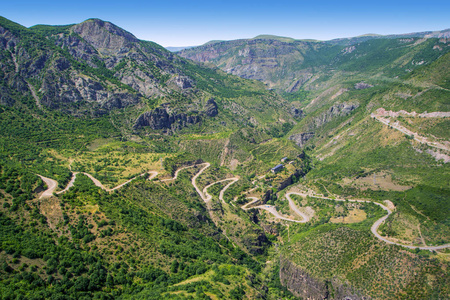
column 433, row 202
column 335, row 253
column 171, row 164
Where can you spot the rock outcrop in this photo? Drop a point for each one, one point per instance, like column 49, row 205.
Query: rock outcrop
column 160, row 118
column 94, row 67
column 362, row 86
column 211, row 108
column 261, row 59
column 301, row 138
column 303, row 285
column 290, row 180
column 107, row 38
column 163, row 118
column 337, row 110
column 94, row 63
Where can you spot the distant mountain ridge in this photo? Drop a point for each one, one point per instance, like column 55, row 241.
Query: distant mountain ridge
column 176, row 49
column 288, row 65
column 423, row 34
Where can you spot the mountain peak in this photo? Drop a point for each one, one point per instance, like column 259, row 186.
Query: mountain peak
column 104, row 35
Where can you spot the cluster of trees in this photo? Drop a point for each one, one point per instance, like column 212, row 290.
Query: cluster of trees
column 18, row 183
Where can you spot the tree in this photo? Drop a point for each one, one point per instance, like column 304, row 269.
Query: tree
column 174, row 266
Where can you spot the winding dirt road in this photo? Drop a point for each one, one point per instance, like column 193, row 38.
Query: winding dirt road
column 404, row 130
column 176, row 173
column 209, row 197
column 51, row 187
column 294, row 207
column 376, row 225
column 206, row 197
column 52, row 184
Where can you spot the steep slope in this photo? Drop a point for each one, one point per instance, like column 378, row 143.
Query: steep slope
column 290, row 65
column 212, row 220
column 90, row 98
column 360, row 157
column 337, row 85
column 95, row 67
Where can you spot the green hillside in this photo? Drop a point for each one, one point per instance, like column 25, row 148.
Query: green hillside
column 129, row 172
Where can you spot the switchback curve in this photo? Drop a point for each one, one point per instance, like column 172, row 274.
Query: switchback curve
column 52, row 184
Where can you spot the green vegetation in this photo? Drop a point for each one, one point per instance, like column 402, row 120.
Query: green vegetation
column 74, row 109
column 355, row 257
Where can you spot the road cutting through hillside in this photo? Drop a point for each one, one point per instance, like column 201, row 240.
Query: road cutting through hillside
column 206, row 197
column 52, row 184
column 209, row 197
column 382, row 118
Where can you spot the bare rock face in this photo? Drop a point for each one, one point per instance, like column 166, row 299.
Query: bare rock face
column 77, row 47
column 105, row 37
column 301, row 79
column 303, row 285
column 211, row 108
column 301, row 138
column 337, row 110
column 300, row 283
column 182, row 82
column 362, row 86
column 160, row 118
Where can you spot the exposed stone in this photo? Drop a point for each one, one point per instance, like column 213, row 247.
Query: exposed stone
column 301, row 138
column 163, row 118
column 303, row 285
column 211, row 108
column 298, row 83
column 296, row 113
column 120, row 100
column 159, row 118
column 183, row 82
column 337, row 110
column 290, row 180
column 362, row 86
column 105, row 37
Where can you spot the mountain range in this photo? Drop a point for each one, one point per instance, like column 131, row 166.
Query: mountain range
column 264, row 168
column 288, row 65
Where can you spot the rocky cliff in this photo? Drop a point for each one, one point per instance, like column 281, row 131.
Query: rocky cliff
column 164, row 118
column 336, row 110
column 92, row 62
column 301, row 138
column 290, row 65
column 301, row 284
column 264, row 59
column 94, row 67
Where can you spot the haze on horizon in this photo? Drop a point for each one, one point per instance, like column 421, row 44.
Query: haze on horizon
column 187, row 23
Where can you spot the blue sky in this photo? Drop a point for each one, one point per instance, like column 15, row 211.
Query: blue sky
column 194, row 22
